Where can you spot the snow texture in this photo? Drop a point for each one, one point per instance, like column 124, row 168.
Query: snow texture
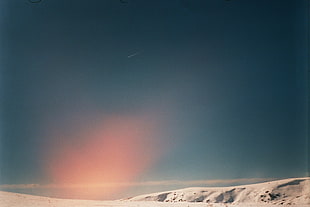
column 294, row 191
column 289, row 192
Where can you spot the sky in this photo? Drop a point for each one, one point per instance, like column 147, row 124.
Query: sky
column 108, row 99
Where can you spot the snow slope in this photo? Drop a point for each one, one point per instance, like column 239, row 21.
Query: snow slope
column 294, row 191
column 290, row 192
column 22, row 200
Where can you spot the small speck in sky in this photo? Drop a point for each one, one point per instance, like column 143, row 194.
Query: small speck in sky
column 134, row 54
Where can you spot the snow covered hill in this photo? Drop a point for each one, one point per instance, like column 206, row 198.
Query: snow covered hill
column 294, row 191
column 289, row 192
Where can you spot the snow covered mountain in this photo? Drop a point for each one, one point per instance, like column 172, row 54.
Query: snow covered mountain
column 294, row 191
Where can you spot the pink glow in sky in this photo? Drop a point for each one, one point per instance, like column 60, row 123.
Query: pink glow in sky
column 115, row 150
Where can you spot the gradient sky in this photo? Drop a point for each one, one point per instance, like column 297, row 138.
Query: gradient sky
column 103, row 92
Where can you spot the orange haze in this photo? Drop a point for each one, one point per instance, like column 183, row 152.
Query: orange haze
column 93, row 161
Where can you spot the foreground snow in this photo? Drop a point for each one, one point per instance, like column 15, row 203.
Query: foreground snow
column 289, row 192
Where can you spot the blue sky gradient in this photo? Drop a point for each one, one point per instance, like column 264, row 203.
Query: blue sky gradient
column 227, row 80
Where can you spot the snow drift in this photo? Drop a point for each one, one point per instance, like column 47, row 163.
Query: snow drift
column 289, row 192
column 294, row 191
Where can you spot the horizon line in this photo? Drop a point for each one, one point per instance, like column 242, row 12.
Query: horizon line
column 241, row 181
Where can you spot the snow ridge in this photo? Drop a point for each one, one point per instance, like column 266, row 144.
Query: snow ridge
column 293, row 191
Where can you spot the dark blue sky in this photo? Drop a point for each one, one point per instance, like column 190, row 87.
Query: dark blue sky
column 226, row 80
